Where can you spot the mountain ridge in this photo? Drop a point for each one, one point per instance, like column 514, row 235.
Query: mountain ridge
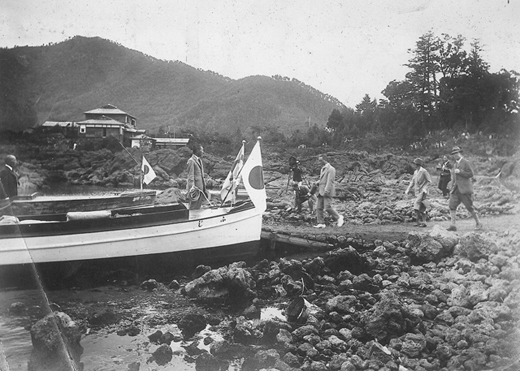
column 61, row 81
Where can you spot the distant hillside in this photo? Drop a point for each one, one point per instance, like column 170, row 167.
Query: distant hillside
column 61, row 81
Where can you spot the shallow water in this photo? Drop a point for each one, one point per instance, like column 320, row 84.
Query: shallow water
column 104, row 350
column 15, row 346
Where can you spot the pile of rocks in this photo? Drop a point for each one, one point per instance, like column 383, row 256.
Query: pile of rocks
column 433, row 302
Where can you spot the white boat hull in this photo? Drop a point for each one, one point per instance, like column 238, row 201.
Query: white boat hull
column 210, row 228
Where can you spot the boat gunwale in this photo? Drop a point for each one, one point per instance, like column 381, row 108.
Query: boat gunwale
column 98, row 225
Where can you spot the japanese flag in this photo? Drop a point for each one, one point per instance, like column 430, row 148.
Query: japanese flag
column 148, row 173
column 253, row 178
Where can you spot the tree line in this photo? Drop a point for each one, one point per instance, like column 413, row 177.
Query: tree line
column 447, row 89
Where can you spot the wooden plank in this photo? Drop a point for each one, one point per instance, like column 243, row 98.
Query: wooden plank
column 299, row 241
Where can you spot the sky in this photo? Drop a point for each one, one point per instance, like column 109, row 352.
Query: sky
column 343, row 48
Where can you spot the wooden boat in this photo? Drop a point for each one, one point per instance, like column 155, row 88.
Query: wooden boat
column 72, row 238
column 36, row 203
column 126, row 232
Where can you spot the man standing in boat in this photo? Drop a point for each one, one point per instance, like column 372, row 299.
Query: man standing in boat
column 196, row 185
column 9, row 178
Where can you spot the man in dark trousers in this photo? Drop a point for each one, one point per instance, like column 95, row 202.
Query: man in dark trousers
column 196, row 186
column 461, row 188
column 445, row 175
column 9, row 178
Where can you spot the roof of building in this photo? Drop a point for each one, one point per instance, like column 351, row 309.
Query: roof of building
column 171, row 141
column 108, row 109
column 62, row 124
column 101, row 121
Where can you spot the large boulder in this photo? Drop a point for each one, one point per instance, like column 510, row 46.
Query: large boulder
column 468, row 296
column 386, row 318
column 192, row 323
column 56, row 344
column 475, row 246
column 222, row 284
column 346, row 259
column 432, row 247
column 342, row 304
column 447, row 239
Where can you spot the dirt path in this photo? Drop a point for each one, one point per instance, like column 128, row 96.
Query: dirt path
column 398, row 231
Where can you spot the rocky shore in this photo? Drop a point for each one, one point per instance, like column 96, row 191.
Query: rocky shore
column 437, row 300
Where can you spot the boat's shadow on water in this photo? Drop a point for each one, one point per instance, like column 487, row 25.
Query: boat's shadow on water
column 126, row 270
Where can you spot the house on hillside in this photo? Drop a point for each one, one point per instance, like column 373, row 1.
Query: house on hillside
column 109, row 121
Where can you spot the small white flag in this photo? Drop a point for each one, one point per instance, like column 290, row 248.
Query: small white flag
column 253, row 178
column 148, row 173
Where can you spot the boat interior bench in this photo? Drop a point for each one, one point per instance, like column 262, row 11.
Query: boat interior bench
column 105, row 220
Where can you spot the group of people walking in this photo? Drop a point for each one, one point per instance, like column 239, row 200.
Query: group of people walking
column 320, row 192
column 455, row 182
column 461, row 176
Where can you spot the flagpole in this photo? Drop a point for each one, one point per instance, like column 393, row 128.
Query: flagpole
column 141, row 174
column 240, row 171
column 137, row 162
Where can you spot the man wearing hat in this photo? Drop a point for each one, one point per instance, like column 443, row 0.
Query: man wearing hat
column 420, row 180
column 461, row 188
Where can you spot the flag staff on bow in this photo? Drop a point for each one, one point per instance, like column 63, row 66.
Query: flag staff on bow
column 230, row 186
column 253, row 178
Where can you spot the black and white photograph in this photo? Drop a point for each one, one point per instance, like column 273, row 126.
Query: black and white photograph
column 259, row 185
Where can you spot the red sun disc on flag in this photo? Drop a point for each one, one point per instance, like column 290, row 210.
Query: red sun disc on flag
column 146, row 169
column 256, row 178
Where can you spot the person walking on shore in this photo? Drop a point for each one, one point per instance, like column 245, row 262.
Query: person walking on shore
column 9, row 178
column 326, row 190
column 444, row 176
column 420, row 181
column 461, row 188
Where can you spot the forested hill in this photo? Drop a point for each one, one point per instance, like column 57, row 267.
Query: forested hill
column 61, row 81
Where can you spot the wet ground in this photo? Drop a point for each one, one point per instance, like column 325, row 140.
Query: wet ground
column 107, row 347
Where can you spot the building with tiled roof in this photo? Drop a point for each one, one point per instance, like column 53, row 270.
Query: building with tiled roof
column 108, row 121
